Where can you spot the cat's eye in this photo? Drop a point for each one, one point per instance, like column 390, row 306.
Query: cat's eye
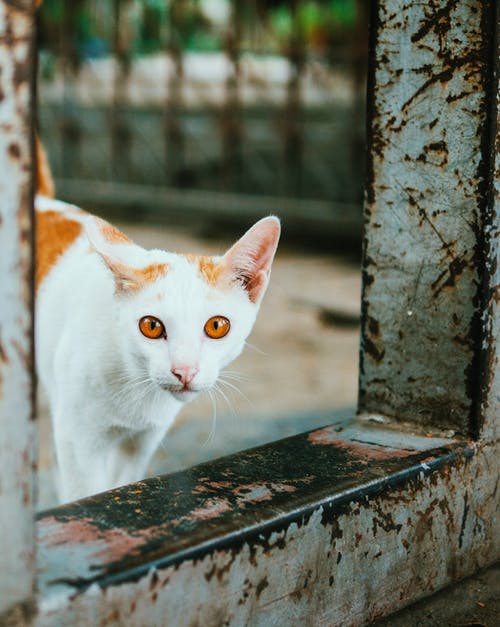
column 151, row 327
column 217, row 327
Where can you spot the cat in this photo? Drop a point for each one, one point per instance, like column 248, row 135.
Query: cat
column 126, row 336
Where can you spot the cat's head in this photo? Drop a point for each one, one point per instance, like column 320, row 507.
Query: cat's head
column 180, row 319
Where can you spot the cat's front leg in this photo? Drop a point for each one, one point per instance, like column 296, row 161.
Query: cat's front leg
column 93, row 459
column 131, row 453
column 83, row 453
column 82, row 468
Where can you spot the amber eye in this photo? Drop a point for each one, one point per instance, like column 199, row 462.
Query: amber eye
column 152, row 327
column 217, row 327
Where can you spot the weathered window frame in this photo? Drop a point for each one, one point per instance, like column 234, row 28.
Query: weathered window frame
column 333, row 527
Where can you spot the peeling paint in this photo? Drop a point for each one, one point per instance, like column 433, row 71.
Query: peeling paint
column 168, row 517
column 362, row 451
column 431, row 78
column 293, row 565
column 17, row 388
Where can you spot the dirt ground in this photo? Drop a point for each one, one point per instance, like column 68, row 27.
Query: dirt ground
column 473, row 602
column 297, row 369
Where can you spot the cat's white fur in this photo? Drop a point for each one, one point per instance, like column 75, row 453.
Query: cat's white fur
column 111, row 391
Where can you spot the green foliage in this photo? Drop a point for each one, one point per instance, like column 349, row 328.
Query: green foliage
column 53, row 10
column 155, row 24
column 344, row 12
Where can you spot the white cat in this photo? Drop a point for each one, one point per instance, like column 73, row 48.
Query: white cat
column 125, row 336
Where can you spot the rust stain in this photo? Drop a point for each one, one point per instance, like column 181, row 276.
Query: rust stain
column 219, row 572
column 444, row 76
column 219, row 484
column 439, row 20
column 3, row 355
column 112, row 617
column 361, row 450
column 260, row 492
column 452, row 273
column 373, row 350
column 439, row 148
column 110, row 545
column 14, row 150
column 55, row 233
column 373, row 326
column 383, row 520
column 262, row 585
column 212, row 508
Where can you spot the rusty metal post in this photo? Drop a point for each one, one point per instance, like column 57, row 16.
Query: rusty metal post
column 173, row 126
column 17, row 562
column 489, row 374
column 69, row 120
column 231, row 123
column 293, row 138
column 120, row 132
column 429, row 180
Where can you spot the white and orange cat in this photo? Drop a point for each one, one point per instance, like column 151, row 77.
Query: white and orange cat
column 125, row 336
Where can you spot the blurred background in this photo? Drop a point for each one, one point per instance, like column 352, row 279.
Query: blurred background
column 183, row 121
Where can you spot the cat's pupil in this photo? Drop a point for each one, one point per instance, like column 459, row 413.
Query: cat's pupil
column 216, row 324
column 152, row 325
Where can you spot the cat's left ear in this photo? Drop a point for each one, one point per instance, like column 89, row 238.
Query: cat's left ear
column 250, row 259
column 104, row 238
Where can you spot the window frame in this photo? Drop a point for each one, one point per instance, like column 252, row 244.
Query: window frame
column 341, row 553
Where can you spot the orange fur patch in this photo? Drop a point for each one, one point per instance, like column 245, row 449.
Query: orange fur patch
column 55, row 233
column 152, row 272
column 131, row 280
column 210, row 270
column 112, row 234
column 44, row 181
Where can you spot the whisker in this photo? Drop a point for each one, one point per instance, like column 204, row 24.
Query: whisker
column 125, row 396
column 236, row 389
column 233, row 374
column 258, row 350
column 211, row 435
column 224, row 396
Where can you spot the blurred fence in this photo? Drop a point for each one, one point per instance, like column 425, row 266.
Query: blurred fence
column 238, row 108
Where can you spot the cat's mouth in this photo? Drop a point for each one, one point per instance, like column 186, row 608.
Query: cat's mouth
column 180, row 393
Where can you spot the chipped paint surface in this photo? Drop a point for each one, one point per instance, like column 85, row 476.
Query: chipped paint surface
column 365, row 453
column 167, row 516
column 426, row 203
column 16, row 363
column 490, row 363
column 252, row 547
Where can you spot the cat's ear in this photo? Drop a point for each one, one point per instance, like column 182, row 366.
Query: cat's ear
column 249, row 261
column 103, row 238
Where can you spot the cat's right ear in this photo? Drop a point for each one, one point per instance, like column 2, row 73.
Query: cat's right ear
column 250, row 259
column 103, row 238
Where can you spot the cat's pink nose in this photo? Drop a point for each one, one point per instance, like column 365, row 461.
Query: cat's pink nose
column 185, row 374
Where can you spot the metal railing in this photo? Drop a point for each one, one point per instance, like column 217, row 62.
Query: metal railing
column 239, row 105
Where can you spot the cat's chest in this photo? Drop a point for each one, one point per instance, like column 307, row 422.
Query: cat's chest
column 138, row 409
